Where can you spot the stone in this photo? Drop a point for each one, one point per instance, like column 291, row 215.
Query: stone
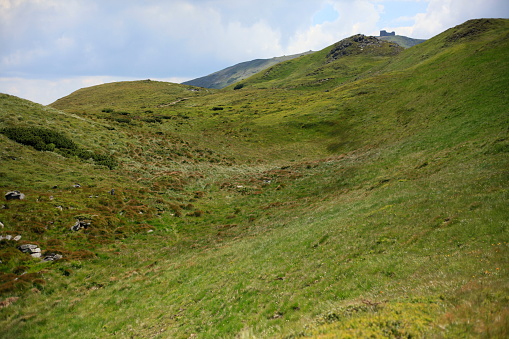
column 52, row 257
column 14, row 195
column 79, row 225
column 16, row 238
column 31, row 249
column 8, row 237
column 1, row 225
column 28, row 248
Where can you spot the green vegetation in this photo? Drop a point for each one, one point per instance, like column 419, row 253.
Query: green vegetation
column 43, row 139
column 346, row 193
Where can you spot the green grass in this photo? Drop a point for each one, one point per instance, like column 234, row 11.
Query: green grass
column 374, row 205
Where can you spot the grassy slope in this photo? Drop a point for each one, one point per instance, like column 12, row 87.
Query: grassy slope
column 372, row 204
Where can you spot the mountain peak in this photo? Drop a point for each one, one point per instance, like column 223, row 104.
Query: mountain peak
column 362, row 44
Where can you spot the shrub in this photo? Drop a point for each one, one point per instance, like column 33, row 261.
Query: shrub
column 122, row 120
column 238, row 86
column 41, row 139
column 196, row 214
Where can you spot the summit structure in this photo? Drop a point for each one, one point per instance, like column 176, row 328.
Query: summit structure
column 385, row 33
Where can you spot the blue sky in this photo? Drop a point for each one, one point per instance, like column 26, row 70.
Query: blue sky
column 50, row 48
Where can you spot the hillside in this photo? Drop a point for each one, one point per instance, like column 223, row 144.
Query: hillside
column 347, row 60
column 358, row 191
column 238, row 72
column 235, row 74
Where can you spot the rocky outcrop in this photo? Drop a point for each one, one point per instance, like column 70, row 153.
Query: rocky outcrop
column 52, row 257
column 10, row 237
column 31, row 249
column 80, row 224
column 14, row 195
column 34, row 250
column 362, row 44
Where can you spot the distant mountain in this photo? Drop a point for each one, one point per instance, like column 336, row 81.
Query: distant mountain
column 238, row 72
column 401, row 40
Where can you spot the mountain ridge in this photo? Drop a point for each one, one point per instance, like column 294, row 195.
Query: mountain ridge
column 236, row 73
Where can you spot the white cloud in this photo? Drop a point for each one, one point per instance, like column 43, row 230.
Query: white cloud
column 444, row 14
column 358, row 16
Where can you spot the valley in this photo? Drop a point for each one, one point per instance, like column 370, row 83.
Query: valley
column 356, row 191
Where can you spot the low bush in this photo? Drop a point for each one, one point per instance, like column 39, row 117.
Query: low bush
column 43, row 139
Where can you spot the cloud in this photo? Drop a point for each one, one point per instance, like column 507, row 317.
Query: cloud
column 443, row 14
column 359, row 16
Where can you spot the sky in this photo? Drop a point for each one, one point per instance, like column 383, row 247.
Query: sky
column 50, row 48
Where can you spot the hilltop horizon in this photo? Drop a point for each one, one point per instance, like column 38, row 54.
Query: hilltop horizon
column 93, row 42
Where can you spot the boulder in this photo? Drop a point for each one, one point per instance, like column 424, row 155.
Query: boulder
column 31, row 249
column 28, row 248
column 14, row 195
column 52, row 257
column 79, row 225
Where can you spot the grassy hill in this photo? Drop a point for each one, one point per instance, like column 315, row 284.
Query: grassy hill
column 238, row 72
column 357, row 191
column 235, row 74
